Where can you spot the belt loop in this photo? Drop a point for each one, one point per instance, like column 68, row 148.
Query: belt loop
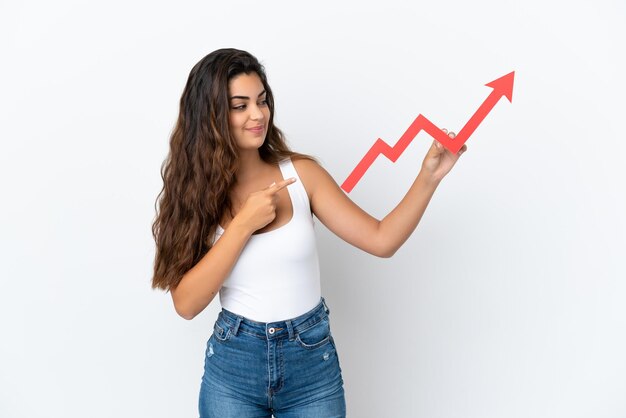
column 236, row 327
column 325, row 306
column 290, row 330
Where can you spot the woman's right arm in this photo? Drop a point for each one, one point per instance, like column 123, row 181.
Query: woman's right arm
column 200, row 284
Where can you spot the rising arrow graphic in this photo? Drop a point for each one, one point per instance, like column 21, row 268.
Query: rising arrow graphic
column 502, row 86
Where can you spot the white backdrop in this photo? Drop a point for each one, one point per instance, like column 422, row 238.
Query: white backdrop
column 508, row 301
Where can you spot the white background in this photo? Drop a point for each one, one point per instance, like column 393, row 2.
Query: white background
column 508, row 301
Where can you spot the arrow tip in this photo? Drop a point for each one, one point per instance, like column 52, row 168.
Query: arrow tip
column 503, row 85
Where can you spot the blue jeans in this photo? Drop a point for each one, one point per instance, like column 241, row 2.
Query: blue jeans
column 288, row 368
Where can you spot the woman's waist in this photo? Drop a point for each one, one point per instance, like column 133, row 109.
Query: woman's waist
column 237, row 323
column 262, row 308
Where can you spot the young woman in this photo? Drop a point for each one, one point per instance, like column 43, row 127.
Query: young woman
column 235, row 218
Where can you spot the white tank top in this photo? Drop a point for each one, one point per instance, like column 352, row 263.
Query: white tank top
column 277, row 275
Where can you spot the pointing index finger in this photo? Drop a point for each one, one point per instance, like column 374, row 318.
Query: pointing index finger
column 275, row 187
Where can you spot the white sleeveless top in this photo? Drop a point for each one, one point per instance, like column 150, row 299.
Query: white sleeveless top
column 277, row 275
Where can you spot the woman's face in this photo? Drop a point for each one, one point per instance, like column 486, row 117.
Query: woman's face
column 249, row 112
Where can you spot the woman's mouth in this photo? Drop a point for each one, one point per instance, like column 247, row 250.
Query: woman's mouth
column 256, row 129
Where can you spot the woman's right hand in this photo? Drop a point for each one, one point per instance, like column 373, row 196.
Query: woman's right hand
column 260, row 207
column 203, row 281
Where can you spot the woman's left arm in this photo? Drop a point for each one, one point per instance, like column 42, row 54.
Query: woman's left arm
column 355, row 226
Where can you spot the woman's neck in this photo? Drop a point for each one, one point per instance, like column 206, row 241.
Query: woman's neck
column 250, row 166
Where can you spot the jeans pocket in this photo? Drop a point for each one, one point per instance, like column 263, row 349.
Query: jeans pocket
column 315, row 336
column 221, row 331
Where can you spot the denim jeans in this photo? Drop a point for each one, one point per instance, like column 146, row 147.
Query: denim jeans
column 287, row 369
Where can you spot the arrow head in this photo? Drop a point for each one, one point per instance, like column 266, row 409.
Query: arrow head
column 503, row 86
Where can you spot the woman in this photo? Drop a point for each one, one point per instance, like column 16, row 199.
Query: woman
column 235, row 217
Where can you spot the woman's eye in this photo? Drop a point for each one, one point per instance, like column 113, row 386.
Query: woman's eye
column 264, row 102
column 240, row 107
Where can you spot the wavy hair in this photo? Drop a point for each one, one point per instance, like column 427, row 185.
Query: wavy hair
column 200, row 169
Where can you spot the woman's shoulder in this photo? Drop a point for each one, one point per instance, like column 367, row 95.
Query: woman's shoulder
column 311, row 173
column 307, row 167
column 305, row 163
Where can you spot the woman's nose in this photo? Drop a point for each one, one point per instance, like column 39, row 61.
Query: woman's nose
column 256, row 113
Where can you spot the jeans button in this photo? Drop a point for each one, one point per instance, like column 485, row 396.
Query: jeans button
column 271, row 330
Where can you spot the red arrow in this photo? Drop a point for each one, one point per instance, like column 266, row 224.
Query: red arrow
column 503, row 86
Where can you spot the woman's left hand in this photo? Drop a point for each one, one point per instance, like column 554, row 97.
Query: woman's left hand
column 439, row 161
